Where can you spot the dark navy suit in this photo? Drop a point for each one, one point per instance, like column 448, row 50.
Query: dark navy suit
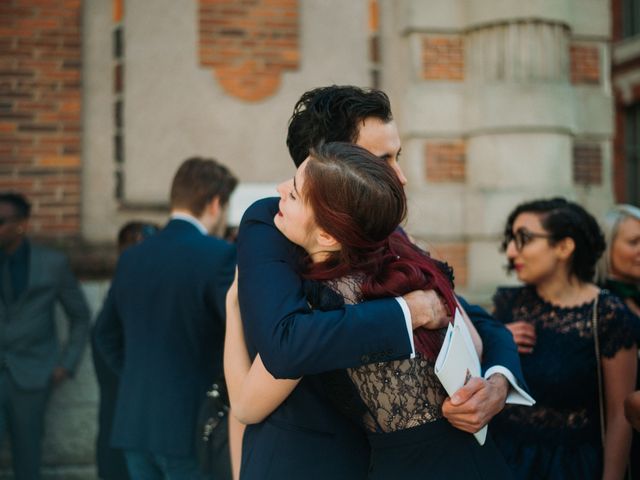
column 306, row 437
column 165, row 336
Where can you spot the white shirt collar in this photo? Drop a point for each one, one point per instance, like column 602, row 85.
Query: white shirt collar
column 191, row 219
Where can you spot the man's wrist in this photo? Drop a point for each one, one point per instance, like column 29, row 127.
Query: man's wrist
column 501, row 385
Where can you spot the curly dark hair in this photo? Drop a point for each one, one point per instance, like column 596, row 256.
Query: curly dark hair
column 332, row 114
column 561, row 219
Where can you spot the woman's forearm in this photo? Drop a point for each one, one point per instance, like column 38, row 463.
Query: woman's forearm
column 237, row 362
column 236, row 432
column 616, row 448
column 253, row 392
column 619, row 374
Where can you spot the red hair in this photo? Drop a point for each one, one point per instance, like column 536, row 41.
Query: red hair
column 357, row 198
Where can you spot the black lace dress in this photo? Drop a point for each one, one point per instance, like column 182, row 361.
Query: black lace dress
column 399, row 405
column 559, row 437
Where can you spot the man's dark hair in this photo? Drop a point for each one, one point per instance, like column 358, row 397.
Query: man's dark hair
column 134, row 232
column 21, row 206
column 200, row 180
column 332, row 114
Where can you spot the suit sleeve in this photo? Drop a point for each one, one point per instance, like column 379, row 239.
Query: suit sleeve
column 498, row 345
column 292, row 339
column 75, row 306
column 109, row 335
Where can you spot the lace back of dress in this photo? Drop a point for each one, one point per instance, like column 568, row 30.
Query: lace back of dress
column 400, row 394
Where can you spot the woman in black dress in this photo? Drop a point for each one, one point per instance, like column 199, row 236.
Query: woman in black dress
column 553, row 246
column 344, row 207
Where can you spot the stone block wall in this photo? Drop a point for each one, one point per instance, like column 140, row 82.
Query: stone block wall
column 497, row 103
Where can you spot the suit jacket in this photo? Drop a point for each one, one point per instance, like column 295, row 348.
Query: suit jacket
column 110, row 462
column 164, row 335
column 29, row 346
column 306, row 435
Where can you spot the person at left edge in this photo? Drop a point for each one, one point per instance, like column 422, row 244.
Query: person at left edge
column 33, row 279
column 165, row 331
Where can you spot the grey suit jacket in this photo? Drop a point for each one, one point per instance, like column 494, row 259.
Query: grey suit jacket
column 29, row 346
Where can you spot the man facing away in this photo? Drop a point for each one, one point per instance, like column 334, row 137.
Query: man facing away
column 32, row 280
column 294, row 341
column 165, row 330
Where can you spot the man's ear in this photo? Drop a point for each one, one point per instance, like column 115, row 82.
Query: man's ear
column 326, row 241
column 213, row 207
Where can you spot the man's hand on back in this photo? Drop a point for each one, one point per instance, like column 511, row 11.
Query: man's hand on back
column 427, row 310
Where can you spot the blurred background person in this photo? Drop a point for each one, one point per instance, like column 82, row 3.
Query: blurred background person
column 110, row 462
column 553, row 246
column 619, row 272
column 619, row 268
column 33, row 280
column 164, row 334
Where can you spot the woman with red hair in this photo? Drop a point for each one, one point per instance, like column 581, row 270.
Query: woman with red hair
column 344, row 207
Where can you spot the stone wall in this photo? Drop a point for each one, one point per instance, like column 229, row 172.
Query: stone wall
column 497, row 102
column 211, row 78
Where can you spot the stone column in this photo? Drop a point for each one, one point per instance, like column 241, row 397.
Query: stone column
column 498, row 102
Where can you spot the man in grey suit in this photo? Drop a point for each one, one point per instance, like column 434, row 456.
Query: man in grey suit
column 32, row 280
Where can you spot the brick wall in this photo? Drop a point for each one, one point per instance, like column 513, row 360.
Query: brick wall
column 585, row 64
column 587, row 163
column 445, row 161
column 443, row 58
column 249, row 44
column 40, row 102
column 456, row 255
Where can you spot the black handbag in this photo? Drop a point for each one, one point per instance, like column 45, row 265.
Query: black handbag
column 212, row 433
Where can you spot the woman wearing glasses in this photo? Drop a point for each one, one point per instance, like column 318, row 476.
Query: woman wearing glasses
column 553, row 246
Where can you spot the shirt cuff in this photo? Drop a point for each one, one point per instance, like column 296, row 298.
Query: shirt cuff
column 407, row 320
column 516, row 396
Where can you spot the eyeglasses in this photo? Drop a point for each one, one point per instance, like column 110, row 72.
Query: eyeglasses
column 523, row 238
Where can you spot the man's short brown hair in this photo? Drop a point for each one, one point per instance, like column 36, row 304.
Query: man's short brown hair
column 198, row 181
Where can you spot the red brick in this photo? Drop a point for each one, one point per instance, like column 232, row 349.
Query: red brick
column 443, row 58
column 445, row 161
column 585, row 64
column 40, row 61
column 456, row 255
column 250, row 44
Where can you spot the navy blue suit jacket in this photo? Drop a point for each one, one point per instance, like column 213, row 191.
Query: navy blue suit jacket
column 306, row 437
column 165, row 334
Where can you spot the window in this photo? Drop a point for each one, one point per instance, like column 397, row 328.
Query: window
column 630, row 18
